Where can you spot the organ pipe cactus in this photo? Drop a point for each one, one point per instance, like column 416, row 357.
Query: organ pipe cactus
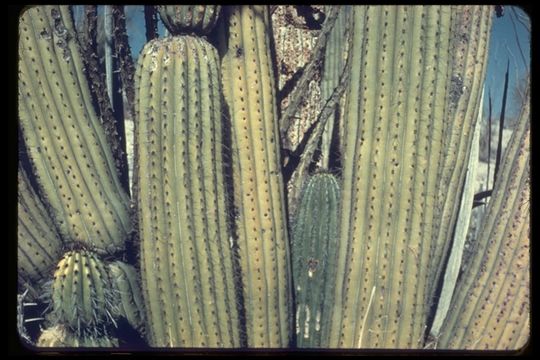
column 63, row 136
column 249, row 91
column 199, row 19
column 314, row 242
column 490, row 306
column 393, row 144
column 186, row 259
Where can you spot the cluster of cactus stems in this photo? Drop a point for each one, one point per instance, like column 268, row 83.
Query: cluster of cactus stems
column 216, row 267
column 77, row 178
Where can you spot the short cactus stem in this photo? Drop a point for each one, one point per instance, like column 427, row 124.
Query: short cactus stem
column 185, row 19
column 314, row 242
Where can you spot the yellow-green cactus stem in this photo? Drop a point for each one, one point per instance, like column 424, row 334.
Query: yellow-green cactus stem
column 249, row 90
column 393, row 138
column 61, row 336
column 186, row 259
column 182, row 19
column 314, row 242
column 39, row 244
column 65, row 140
column 490, row 308
column 81, row 292
column 127, row 294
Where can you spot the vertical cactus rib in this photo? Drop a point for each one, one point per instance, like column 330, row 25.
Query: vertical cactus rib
column 39, row 244
column 65, row 141
column 393, row 128
column 314, row 240
column 249, row 90
column 186, row 261
column 469, row 44
column 490, row 307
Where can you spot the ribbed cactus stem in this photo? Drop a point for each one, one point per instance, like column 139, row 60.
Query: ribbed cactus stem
column 127, row 293
column 393, row 139
column 185, row 19
column 249, row 89
column 64, row 138
column 491, row 304
column 39, row 244
column 81, row 292
column 186, row 260
column 314, row 242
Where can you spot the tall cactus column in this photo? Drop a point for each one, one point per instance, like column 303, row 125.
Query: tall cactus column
column 249, row 89
column 186, row 261
column 64, row 137
column 393, row 137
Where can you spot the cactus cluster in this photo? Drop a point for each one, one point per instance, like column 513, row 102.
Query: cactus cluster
column 218, row 261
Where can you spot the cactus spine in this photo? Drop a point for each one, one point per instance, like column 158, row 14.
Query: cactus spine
column 249, row 89
column 63, row 135
column 186, row 262
column 39, row 245
column 393, row 128
column 199, row 19
column 490, row 307
column 315, row 237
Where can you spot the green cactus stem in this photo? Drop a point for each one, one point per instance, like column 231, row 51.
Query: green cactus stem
column 314, row 241
column 183, row 19
column 127, row 294
column 186, row 260
column 65, row 140
column 490, row 308
column 393, row 138
column 39, row 244
column 249, row 90
column 81, row 292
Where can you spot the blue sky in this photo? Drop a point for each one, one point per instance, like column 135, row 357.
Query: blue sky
column 507, row 31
